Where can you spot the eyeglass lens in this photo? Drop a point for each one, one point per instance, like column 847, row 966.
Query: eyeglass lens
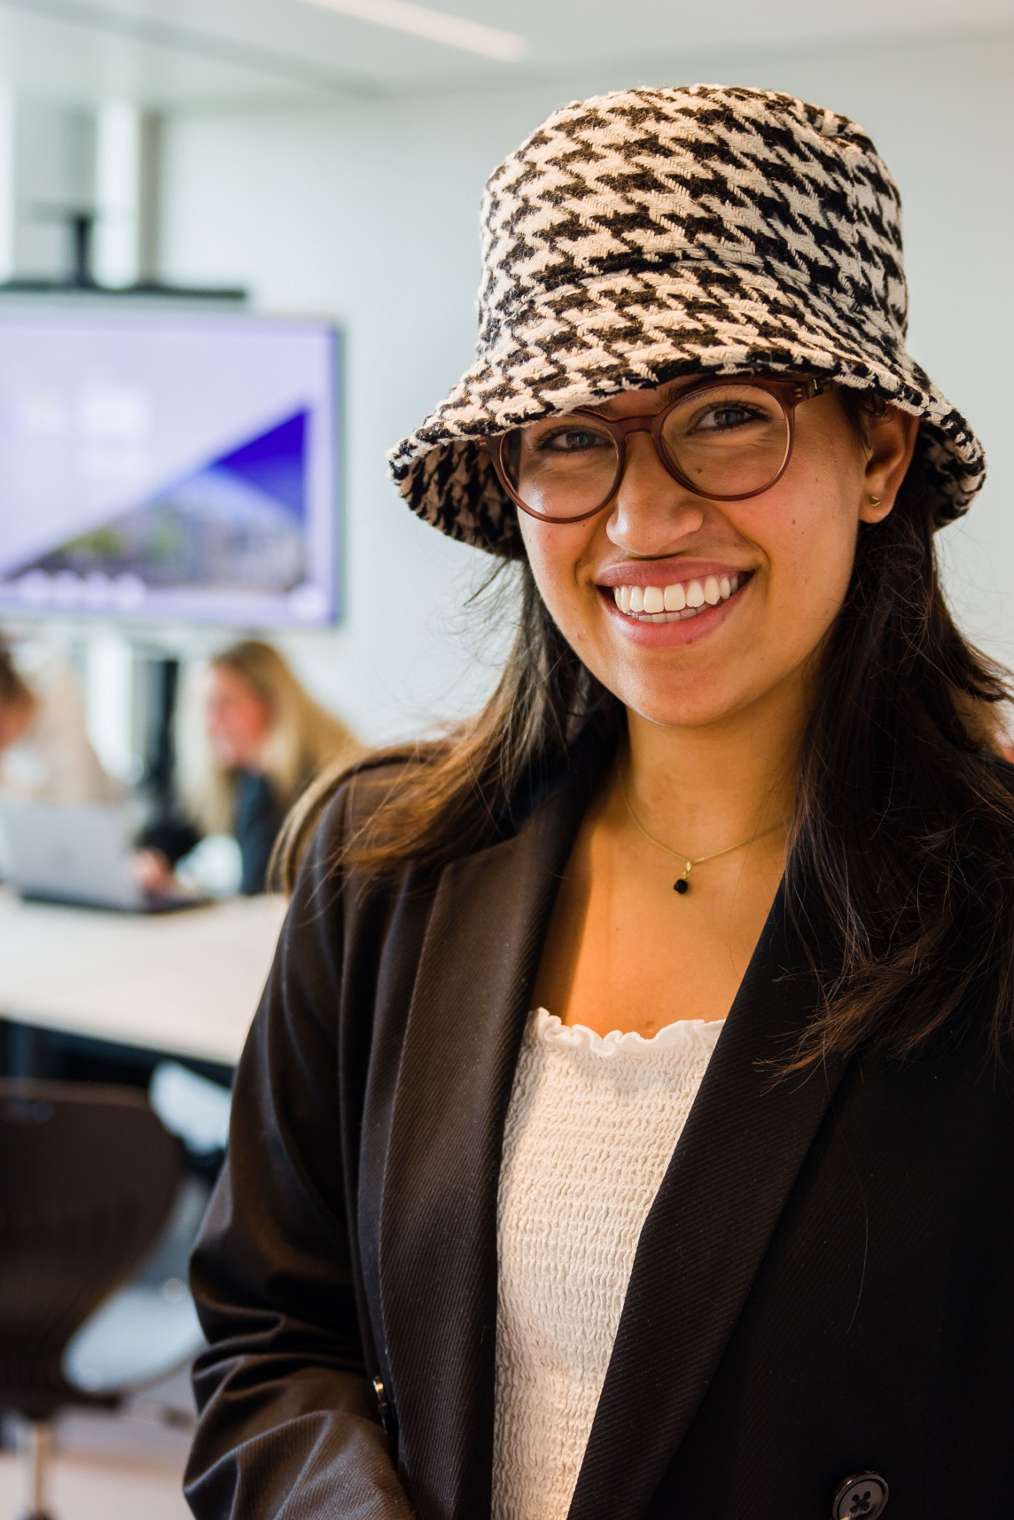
column 727, row 441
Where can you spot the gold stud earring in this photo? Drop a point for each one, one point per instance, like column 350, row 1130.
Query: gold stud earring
column 874, row 501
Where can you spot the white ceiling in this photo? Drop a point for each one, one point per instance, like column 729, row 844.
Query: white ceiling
column 178, row 53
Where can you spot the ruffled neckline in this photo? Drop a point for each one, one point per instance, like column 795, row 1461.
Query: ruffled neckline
column 549, row 1029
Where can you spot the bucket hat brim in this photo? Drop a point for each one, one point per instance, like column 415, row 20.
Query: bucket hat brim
column 582, row 343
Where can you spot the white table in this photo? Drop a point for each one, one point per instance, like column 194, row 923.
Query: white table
column 187, row 982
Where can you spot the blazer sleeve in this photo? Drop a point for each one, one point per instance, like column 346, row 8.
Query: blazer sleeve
column 286, row 1425
column 172, row 835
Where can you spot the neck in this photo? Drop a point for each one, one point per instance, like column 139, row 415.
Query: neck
column 704, row 787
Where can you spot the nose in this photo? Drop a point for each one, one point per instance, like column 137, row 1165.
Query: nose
column 651, row 511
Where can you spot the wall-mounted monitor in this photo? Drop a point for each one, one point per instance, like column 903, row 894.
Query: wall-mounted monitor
column 168, row 467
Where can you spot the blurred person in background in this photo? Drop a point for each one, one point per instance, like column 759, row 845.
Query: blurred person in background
column 260, row 739
column 45, row 752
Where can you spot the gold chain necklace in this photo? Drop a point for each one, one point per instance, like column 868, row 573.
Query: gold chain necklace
column 682, row 883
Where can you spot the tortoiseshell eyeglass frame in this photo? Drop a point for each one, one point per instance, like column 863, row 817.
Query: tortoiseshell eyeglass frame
column 789, row 392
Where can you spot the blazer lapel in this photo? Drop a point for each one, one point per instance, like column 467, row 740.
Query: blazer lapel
column 702, row 1243
column 437, row 1260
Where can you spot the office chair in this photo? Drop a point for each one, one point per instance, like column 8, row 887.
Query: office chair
column 89, row 1179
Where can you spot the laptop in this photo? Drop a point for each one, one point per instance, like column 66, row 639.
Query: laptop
column 79, row 856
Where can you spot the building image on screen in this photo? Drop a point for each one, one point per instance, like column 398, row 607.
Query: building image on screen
column 169, row 468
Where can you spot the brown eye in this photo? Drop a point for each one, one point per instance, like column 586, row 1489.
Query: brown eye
column 573, row 440
column 721, row 418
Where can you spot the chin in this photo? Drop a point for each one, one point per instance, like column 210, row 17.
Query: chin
column 696, row 706
column 679, row 715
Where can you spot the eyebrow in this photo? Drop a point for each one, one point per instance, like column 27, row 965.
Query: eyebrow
column 672, row 388
column 668, row 389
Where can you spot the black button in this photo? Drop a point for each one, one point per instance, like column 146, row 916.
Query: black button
column 863, row 1495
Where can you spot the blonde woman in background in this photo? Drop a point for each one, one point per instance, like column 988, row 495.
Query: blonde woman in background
column 261, row 738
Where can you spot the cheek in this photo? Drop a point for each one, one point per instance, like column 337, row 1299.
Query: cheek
column 811, row 562
column 542, row 546
column 255, row 724
column 555, row 553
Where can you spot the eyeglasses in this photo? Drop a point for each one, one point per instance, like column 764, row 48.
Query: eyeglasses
column 724, row 439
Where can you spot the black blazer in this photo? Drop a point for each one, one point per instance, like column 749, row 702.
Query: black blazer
column 824, row 1286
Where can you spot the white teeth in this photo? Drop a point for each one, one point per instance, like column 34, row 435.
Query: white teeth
column 663, row 604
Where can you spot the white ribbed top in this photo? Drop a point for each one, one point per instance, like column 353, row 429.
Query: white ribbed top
column 592, row 1123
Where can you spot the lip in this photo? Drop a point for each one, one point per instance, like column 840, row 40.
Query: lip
column 665, row 572
column 671, row 635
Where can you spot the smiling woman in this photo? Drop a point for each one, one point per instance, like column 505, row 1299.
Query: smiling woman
column 793, row 493
column 628, row 1115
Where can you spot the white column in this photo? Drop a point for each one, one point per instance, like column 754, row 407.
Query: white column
column 126, row 193
column 109, row 700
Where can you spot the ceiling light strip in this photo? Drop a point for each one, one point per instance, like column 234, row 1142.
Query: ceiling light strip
column 434, row 26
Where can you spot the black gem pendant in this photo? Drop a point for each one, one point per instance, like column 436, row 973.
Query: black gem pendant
column 681, row 886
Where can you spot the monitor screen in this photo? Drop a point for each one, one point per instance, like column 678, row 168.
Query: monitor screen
column 168, row 467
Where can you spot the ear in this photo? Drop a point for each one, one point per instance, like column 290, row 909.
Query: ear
column 891, row 439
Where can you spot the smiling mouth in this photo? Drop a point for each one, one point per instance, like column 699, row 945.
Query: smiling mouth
column 678, row 602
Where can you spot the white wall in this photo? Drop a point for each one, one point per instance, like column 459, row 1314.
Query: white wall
column 368, row 213
column 48, row 170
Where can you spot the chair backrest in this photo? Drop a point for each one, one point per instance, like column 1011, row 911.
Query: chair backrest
column 87, row 1179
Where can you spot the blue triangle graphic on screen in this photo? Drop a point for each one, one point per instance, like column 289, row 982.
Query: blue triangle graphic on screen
column 236, row 522
column 274, row 463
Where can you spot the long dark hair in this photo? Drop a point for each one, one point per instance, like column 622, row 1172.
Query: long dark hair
column 904, row 822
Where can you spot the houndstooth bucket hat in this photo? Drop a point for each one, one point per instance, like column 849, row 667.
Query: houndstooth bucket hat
column 647, row 234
